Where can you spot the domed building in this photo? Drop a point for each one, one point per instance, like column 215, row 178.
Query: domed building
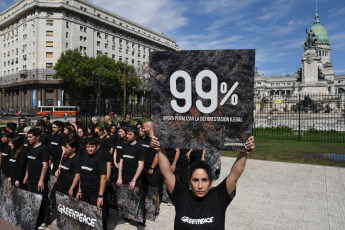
column 284, row 86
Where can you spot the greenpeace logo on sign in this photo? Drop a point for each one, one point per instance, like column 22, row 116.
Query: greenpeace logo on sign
column 86, row 168
column 82, row 218
column 188, row 220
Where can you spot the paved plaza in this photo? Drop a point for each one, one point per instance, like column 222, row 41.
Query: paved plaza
column 275, row 195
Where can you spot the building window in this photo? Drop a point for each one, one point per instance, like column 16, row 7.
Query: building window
column 50, row 22
column 66, row 34
column 49, row 44
column 67, row 25
column 106, row 45
column 49, row 33
column 49, row 78
column 49, row 90
column 98, row 43
column 120, row 58
column 49, row 65
column 49, row 54
column 113, row 56
column 66, row 45
column 50, row 102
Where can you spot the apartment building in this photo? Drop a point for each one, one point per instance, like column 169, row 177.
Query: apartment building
column 33, row 33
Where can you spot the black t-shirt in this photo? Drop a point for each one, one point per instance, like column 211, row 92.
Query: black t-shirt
column 91, row 169
column 36, row 156
column 49, row 129
column 149, row 153
column 171, row 152
column 119, row 149
column 5, row 156
column 105, row 143
column 69, row 167
column 113, row 140
column 195, row 155
column 200, row 213
column 17, row 166
column 131, row 155
column 45, row 139
column 57, row 141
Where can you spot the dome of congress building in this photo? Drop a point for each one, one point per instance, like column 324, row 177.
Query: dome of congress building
column 320, row 31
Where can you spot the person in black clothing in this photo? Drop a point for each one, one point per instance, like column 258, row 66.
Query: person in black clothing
column 37, row 174
column 22, row 125
column 131, row 161
column 93, row 176
column 5, row 153
column 26, row 142
column 195, row 155
column 45, row 138
column 57, row 144
column 151, row 173
column 48, row 126
column 17, row 162
column 69, row 168
column 103, row 141
column 201, row 206
column 11, row 127
column 120, row 142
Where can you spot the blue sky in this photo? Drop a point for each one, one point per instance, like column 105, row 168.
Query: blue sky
column 276, row 29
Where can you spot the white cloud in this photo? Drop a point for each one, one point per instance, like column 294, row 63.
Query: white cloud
column 159, row 15
column 336, row 12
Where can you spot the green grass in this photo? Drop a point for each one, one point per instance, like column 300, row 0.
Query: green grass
column 295, row 152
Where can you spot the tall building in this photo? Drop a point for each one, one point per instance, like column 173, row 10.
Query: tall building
column 277, row 85
column 33, row 33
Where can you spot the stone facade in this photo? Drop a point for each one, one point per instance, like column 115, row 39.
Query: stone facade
column 33, row 33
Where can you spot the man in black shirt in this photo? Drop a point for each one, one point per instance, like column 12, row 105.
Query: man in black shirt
column 48, row 126
column 132, row 160
column 57, row 144
column 22, row 125
column 5, row 153
column 37, row 174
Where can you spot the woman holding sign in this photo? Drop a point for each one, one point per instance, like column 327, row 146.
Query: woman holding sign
column 201, row 206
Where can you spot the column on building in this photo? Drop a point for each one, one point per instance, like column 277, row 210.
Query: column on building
column 43, row 102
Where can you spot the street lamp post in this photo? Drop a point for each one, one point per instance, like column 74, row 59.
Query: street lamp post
column 124, row 79
column 99, row 86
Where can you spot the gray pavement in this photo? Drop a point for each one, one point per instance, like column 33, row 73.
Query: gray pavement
column 276, row 195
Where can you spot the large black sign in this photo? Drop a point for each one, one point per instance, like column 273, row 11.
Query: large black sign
column 18, row 207
column 203, row 99
column 74, row 214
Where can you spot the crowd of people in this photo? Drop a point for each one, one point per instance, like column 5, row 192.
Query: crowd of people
column 88, row 160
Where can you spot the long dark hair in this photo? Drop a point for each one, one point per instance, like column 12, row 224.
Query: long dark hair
column 18, row 146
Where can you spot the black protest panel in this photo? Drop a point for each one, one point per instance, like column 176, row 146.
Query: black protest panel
column 77, row 215
column 203, row 99
column 130, row 204
column 18, row 207
column 150, row 203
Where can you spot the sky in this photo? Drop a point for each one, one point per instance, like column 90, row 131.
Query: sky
column 275, row 29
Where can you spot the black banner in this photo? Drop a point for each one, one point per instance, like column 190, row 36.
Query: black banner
column 203, row 99
column 73, row 214
column 18, row 207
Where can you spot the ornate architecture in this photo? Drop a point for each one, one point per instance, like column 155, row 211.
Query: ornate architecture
column 33, row 33
column 315, row 76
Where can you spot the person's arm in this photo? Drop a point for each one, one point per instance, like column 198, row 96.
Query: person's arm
column 101, row 190
column 238, row 167
column 74, row 184
column 43, row 174
column 114, row 157
column 79, row 193
column 119, row 178
column 26, row 175
column 203, row 155
column 108, row 171
column 164, row 165
column 153, row 165
column 177, row 155
column 188, row 153
column 137, row 174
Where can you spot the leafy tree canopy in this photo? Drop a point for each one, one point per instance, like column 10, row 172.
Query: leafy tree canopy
column 81, row 73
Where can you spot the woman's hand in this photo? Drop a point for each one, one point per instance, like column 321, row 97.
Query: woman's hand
column 250, row 145
column 79, row 195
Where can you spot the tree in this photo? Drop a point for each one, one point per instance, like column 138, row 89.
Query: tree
column 81, row 73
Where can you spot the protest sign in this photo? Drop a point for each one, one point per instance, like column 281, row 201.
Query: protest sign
column 203, row 99
column 151, row 202
column 74, row 214
column 18, row 207
column 130, row 204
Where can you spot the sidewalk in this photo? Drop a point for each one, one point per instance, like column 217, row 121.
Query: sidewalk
column 276, row 195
